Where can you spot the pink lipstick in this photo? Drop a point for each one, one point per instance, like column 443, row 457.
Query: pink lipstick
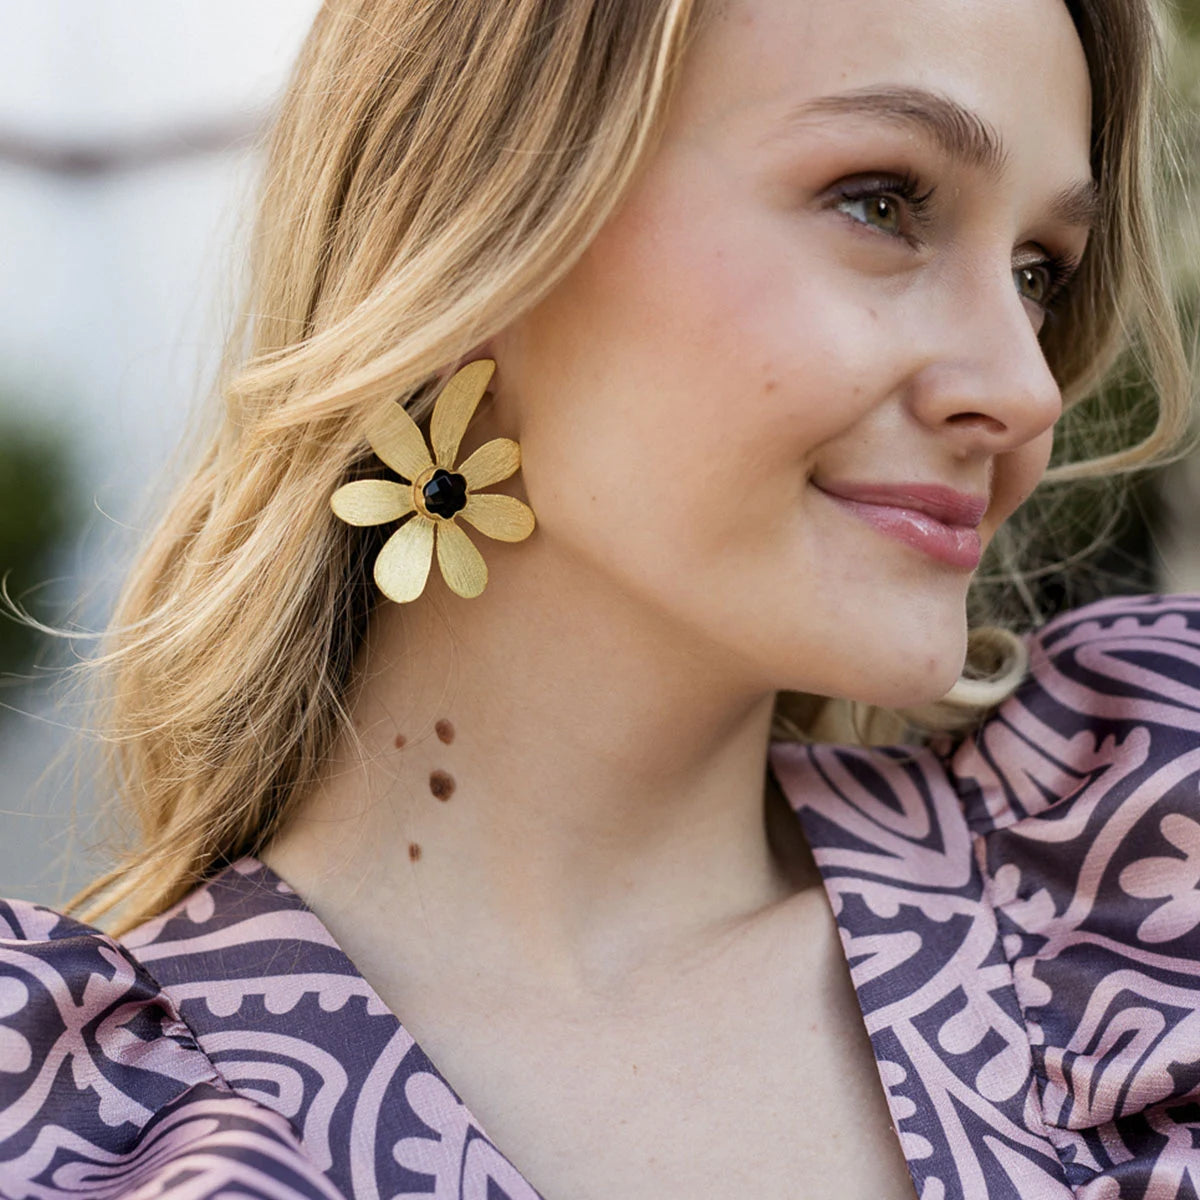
column 939, row 521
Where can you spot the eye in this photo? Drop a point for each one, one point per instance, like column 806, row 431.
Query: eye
column 882, row 211
column 1033, row 283
column 1043, row 283
column 893, row 204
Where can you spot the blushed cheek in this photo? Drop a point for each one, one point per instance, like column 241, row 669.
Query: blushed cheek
column 687, row 294
column 698, row 340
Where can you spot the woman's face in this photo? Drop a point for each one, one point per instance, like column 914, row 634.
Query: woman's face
column 796, row 380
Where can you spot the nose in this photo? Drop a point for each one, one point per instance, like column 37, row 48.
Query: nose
column 983, row 381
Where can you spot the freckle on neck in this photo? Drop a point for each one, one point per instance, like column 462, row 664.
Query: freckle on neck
column 445, row 731
column 400, row 741
column 441, row 784
column 414, row 851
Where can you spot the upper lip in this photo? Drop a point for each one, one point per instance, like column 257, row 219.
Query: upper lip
column 944, row 504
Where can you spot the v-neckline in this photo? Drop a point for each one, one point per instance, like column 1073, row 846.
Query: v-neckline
column 796, row 772
column 267, row 882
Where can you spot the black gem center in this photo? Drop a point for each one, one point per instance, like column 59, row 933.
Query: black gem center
column 445, row 493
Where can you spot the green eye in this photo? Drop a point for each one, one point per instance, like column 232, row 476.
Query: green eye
column 890, row 203
column 881, row 211
column 1033, row 283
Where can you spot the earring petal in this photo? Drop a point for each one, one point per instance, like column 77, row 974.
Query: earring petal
column 455, row 407
column 402, row 566
column 492, row 462
column 398, row 440
column 372, row 501
column 462, row 565
column 504, row 518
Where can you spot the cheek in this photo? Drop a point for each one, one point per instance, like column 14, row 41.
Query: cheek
column 732, row 348
column 675, row 386
column 1017, row 474
column 683, row 385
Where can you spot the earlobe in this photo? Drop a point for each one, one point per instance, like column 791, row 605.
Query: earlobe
column 482, row 350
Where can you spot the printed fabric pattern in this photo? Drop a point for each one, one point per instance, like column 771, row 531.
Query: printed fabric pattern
column 1020, row 913
column 1021, row 916
column 257, row 1049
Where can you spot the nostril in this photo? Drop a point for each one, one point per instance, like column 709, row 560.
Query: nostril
column 977, row 420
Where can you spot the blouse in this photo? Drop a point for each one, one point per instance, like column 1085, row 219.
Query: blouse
column 1019, row 911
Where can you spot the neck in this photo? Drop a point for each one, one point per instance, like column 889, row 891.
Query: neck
column 565, row 787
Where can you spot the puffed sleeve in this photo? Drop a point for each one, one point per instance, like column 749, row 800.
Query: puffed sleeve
column 1083, row 792
column 104, row 1091
column 1020, row 911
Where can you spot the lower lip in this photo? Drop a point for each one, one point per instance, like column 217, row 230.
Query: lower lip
column 955, row 545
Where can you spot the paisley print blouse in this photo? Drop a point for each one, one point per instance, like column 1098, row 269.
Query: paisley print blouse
column 1020, row 913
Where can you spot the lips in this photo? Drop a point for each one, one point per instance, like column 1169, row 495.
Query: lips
column 936, row 520
column 941, row 503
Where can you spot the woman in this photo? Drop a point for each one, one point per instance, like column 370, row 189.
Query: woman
column 776, row 304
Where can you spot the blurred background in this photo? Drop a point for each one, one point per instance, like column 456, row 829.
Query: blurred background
column 126, row 169
column 126, row 165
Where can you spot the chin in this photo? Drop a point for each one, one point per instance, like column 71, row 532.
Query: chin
column 917, row 689
column 903, row 652
column 907, row 672
column 910, row 680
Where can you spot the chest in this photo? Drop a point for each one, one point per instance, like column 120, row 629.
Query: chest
column 747, row 1073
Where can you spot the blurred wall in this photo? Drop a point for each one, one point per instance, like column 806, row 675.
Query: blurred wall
column 123, row 175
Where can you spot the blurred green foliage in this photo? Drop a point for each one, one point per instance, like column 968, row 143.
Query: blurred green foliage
column 1187, row 16
column 38, row 511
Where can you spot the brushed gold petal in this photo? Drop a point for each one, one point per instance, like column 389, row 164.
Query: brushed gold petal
column 455, row 407
column 372, row 501
column 492, row 462
column 462, row 565
column 398, row 440
column 403, row 564
column 504, row 518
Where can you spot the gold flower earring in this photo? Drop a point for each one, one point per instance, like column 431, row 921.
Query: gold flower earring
column 437, row 493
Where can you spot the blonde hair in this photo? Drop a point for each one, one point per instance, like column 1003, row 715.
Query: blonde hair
column 434, row 170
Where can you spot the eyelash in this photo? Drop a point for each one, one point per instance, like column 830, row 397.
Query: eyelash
column 1059, row 268
column 905, row 187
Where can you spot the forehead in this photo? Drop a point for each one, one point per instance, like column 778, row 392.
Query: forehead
column 1017, row 64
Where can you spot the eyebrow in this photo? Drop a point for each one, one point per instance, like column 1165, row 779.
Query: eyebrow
column 1078, row 204
column 957, row 131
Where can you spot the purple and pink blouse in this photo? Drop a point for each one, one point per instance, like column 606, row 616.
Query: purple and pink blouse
column 1019, row 910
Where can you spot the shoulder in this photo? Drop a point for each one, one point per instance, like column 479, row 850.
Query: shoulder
column 102, row 1082
column 1083, row 792
column 1021, row 912
column 1128, row 658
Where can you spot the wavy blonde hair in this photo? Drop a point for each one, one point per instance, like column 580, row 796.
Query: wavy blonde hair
column 435, row 168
